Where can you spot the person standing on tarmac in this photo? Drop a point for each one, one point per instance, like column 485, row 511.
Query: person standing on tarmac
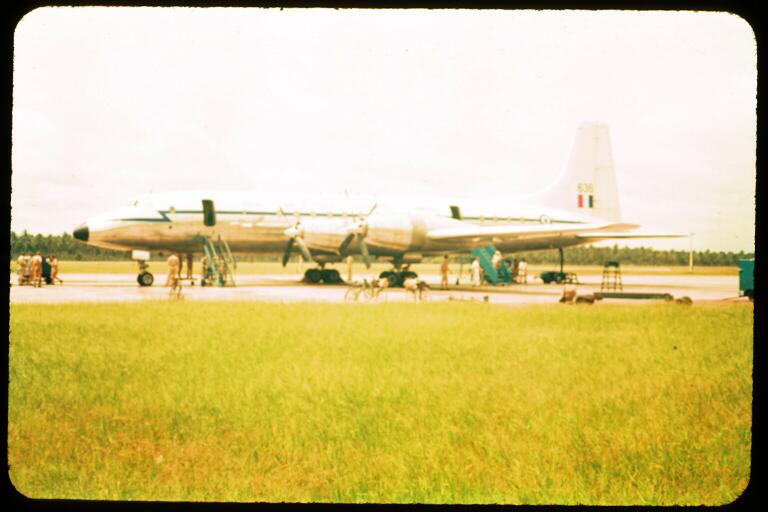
column 54, row 263
column 27, row 268
column 474, row 271
column 173, row 271
column 444, row 273
column 204, row 271
column 496, row 262
column 22, row 262
column 36, row 269
column 522, row 270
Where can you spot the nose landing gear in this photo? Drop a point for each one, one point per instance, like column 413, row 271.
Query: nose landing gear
column 145, row 278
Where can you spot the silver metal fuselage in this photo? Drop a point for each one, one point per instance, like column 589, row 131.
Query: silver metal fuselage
column 174, row 223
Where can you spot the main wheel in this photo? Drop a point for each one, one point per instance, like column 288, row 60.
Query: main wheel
column 391, row 277
column 145, row 279
column 330, row 276
column 313, row 275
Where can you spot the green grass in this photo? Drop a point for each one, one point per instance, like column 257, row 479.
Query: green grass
column 406, row 403
column 267, row 267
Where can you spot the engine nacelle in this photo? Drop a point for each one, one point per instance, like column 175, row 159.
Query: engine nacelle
column 323, row 234
column 390, row 232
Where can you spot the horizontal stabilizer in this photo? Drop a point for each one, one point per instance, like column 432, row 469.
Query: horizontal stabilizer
column 479, row 233
column 602, row 234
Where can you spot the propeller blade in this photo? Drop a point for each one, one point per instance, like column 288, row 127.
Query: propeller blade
column 304, row 249
column 375, row 205
column 287, row 254
column 364, row 251
column 345, row 245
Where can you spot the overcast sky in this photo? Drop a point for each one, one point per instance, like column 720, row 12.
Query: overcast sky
column 114, row 102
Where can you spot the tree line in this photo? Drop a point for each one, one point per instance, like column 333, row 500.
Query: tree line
column 65, row 247
column 591, row 255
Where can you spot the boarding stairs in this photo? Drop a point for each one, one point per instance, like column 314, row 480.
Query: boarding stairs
column 221, row 263
column 485, row 256
column 611, row 276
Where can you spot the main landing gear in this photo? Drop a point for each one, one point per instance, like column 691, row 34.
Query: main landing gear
column 322, row 275
column 397, row 276
column 145, row 278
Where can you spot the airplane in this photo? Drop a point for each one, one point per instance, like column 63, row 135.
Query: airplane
column 581, row 207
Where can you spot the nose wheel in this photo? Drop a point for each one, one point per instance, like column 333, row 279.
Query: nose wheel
column 145, row 278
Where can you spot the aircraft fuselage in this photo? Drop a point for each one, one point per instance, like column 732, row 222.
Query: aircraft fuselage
column 174, row 223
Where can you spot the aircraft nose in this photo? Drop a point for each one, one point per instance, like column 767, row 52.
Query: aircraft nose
column 81, row 232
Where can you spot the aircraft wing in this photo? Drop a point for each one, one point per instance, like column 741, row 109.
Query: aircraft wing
column 496, row 233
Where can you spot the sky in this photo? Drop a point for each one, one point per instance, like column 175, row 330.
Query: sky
column 113, row 102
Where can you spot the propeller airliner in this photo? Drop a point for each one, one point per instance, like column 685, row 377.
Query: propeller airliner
column 581, row 207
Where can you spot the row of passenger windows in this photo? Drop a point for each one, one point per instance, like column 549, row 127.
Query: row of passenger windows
column 172, row 209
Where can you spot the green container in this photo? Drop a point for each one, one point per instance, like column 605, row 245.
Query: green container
column 747, row 278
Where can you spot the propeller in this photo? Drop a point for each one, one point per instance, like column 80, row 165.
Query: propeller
column 358, row 230
column 295, row 236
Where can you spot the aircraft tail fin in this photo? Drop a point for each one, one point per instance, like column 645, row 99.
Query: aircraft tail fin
column 588, row 184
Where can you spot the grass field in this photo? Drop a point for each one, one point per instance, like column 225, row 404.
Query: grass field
column 159, row 267
column 406, row 403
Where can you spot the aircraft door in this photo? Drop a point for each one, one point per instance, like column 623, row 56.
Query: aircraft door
column 209, row 212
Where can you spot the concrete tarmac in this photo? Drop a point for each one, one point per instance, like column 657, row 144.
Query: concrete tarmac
column 289, row 288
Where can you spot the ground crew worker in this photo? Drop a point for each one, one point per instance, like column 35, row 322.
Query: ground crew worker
column 523, row 271
column 173, row 271
column 205, row 272
column 475, row 272
column 222, row 264
column 54, row 263
column 496, row 261
column 22, row 262
column 515, row 270
column 36, row 269
column 444, row 273
column 27, row 268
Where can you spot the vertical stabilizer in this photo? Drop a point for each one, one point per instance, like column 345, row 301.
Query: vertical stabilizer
column 588, row 185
